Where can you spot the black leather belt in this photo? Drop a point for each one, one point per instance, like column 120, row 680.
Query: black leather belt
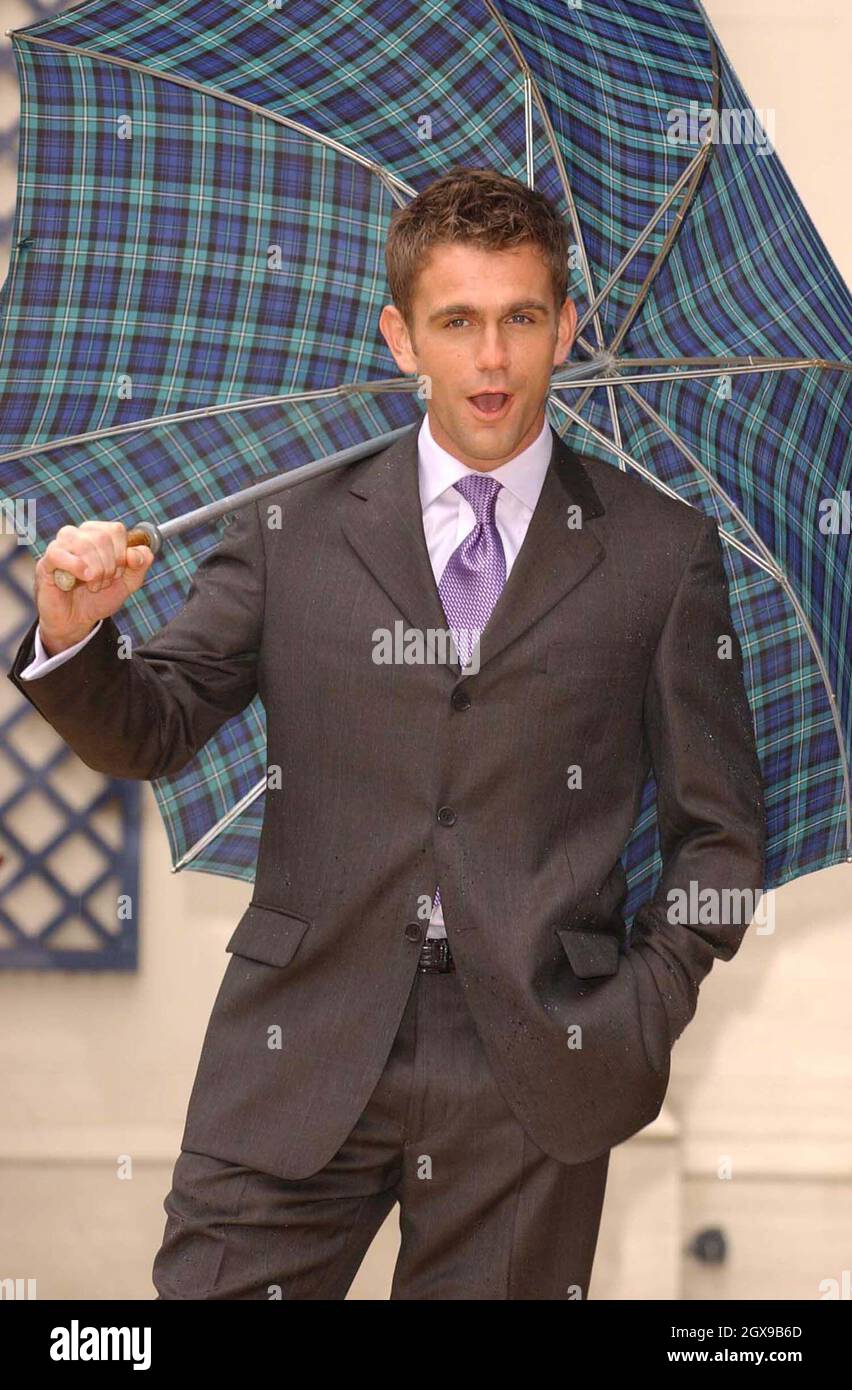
column 435, row 955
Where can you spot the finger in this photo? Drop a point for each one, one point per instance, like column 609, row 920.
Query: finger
column 73, row 543
column 107, row 559
column 121, row 551
column 58, row 557
column 109, row 541
column 114, row 541
column 106, row 527
column 72, row 540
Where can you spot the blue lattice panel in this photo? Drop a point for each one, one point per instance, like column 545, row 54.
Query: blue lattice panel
column 69, row 837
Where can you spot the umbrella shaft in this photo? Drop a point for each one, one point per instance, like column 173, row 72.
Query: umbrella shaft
column 290, row 478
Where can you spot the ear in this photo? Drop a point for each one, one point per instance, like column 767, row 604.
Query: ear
column 395, row 333
column 567, row 327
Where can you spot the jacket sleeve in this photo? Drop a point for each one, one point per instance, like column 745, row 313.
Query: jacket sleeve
column 145, row 713
column 710, row 800
column 42, row 664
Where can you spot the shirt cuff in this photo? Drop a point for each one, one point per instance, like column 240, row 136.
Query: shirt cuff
column 41, row 663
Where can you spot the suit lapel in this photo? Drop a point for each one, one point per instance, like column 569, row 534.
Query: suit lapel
column 383, row 523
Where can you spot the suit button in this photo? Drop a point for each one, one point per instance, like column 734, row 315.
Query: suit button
column 412, row 931
column 460, row 699
column 446, row 815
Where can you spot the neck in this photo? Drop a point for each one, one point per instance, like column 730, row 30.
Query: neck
column 446, row 441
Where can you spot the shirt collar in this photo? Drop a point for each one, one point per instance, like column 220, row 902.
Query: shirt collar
column 523, row 475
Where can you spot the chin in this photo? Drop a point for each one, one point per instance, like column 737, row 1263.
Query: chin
column 482, row 441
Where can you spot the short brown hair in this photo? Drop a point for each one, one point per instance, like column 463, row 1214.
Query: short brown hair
column 481, row 207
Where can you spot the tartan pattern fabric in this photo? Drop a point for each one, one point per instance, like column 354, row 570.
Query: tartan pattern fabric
column 187, row 239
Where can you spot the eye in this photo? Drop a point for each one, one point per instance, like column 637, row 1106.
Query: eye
column 519, row 315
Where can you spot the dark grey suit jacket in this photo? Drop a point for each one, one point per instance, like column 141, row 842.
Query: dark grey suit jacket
column 601, row 653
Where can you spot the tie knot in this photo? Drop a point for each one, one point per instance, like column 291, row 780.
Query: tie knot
column 480, row 491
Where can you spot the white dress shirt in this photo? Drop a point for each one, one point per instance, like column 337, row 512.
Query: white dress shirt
column 447, row 519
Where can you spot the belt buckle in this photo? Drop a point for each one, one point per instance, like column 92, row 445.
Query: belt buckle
column 435, row 955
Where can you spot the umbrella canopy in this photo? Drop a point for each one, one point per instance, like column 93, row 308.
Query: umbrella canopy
column 204, row 193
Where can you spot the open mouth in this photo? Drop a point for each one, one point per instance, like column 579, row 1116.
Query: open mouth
column 491, row 405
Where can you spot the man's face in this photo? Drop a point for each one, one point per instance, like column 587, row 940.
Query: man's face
column 485, row 331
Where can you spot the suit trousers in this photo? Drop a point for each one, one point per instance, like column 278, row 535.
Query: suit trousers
column 483, row 1212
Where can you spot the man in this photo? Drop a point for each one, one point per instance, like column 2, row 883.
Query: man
column 432, row 997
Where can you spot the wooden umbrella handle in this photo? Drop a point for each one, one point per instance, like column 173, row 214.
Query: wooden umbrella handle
column 139, row 535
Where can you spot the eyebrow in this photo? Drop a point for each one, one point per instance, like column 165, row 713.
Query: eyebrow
column 451, row 310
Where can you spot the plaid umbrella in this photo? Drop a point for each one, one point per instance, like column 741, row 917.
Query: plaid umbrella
column 197, row 272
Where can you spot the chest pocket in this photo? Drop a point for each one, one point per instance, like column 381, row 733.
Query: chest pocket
column 593, row 661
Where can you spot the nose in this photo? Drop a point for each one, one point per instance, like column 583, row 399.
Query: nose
column 492, row 352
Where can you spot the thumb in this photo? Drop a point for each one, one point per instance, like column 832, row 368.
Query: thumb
column 138, row 561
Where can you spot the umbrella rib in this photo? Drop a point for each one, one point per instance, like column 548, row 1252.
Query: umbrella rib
column 788, row 589
column 528, row 130
column 698, row 164
column 707, row 151
column 531, row 87
column 399, row 384
column 221, row 824
column 784, row 364
column 698, row 158
column 768, row 565
column 655, row 264
column 712, row 482
column 587, row 390
column 748, row 362
column 399, row 190
column 402, row 384
column 613, row 411
column 531, row 90
column 274, row 483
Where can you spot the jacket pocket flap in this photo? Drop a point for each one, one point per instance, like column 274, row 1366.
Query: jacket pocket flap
column 268, row 934
column 590, row 952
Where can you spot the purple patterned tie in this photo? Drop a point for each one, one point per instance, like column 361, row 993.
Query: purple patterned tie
column 475, row 573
